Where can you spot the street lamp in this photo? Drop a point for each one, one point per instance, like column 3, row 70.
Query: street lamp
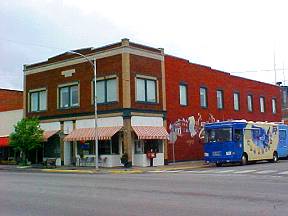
column 93, row 64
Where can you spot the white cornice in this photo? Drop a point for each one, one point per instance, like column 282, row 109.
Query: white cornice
column 103, row 54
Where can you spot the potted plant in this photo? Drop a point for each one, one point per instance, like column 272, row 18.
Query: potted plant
column 124, row 160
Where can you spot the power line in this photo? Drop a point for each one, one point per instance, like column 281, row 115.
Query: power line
column 257, row 71
column 31, row 44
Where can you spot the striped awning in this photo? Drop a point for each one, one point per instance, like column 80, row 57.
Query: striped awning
column 48, row 134
column 4, row 142
column 150, row 132
column 84, row 134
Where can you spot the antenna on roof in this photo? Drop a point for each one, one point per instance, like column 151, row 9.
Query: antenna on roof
column 274, row 68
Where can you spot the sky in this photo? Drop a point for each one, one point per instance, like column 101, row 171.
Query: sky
column 242, row 37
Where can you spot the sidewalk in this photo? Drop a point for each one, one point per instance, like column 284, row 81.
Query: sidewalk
column 189, row 165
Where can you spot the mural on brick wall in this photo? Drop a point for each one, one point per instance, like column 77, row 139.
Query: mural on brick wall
column 192, row 125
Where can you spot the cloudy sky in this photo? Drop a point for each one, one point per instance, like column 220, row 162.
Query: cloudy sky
column 239, row 37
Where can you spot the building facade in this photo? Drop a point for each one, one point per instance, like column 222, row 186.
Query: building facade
column 11, row 111
column 197, row 94
column 130, row 101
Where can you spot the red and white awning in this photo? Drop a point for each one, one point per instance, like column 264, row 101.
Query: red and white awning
column 4, row 142
column 83, row 134
column 48, row 134
column 150, row 132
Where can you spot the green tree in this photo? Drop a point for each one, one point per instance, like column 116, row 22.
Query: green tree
column 27, row 136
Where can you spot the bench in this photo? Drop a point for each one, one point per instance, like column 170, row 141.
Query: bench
column 50, row 162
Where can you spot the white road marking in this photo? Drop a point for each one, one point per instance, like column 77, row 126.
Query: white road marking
column 266, row 171
column 193, row 171
column 283, row 173
column 225, row 171
column 244, row 171
column 172, row 171
column 156, row 171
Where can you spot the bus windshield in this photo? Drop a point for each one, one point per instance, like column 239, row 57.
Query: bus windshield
column 218, row 135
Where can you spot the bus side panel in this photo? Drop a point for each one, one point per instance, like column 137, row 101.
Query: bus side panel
column 260, row 141
column 222, row 152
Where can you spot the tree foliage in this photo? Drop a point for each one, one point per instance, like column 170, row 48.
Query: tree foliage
column 27, row 136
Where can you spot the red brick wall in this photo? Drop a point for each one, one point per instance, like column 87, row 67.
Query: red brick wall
column 149, row 67
column 195, row 76
column 84, row 74
column 10, row 100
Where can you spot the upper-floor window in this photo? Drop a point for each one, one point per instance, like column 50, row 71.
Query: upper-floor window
column 146, row 90
column 69, row 96
column 38, row 100
column 262, row 104
column 236, row 97
column 219, row 94
column 183, row 94
column 250, row 103
column 273, row 105
column 203, row 97
column 106, row 90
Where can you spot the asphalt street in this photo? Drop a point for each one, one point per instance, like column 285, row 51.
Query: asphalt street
column 179, row 193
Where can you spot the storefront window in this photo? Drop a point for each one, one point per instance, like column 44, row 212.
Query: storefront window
column 86, row 148
column 139, row 147
column 155, row 145
column 52, row 147
column 104, row 147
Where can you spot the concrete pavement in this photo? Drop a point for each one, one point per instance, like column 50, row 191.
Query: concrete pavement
column 188, row 165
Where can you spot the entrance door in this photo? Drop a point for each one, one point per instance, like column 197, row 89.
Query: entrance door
column 67, row 153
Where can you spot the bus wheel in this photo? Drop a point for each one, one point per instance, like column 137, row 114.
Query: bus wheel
column 244, row 160
column 218, row 164
column 275, row 157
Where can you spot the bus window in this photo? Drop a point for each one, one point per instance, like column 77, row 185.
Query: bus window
column 282, row 135
column 218, row 135
column 238, row 133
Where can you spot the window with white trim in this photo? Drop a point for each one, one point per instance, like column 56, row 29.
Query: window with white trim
column 146, row 90
column 203, row 97
column 250, row 103
column 219, row 94
column 106, row 90
column 273, row 105
column 69, row 96
column 183, row 94
column 262, row 104
column 38, row 101
column 236, row 98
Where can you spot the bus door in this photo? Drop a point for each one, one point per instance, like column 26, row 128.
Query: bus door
column 238, row 142
column 283, row 143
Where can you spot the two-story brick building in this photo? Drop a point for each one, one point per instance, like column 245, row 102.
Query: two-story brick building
column 197, row 94
column 130, row 97
column 11, row 111
column 141, row 94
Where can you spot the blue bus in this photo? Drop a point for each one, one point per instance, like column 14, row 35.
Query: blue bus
column 243, row 141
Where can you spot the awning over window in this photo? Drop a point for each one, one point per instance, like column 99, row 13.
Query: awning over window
column 4, row 142
column 150, row 132
column 84, row 134
column 48, row 134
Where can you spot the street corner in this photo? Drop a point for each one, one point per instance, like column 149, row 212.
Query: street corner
column 69, row 171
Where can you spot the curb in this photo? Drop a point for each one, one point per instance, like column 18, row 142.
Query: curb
column 106, row 171
column 69, row 171
column 126, row 171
